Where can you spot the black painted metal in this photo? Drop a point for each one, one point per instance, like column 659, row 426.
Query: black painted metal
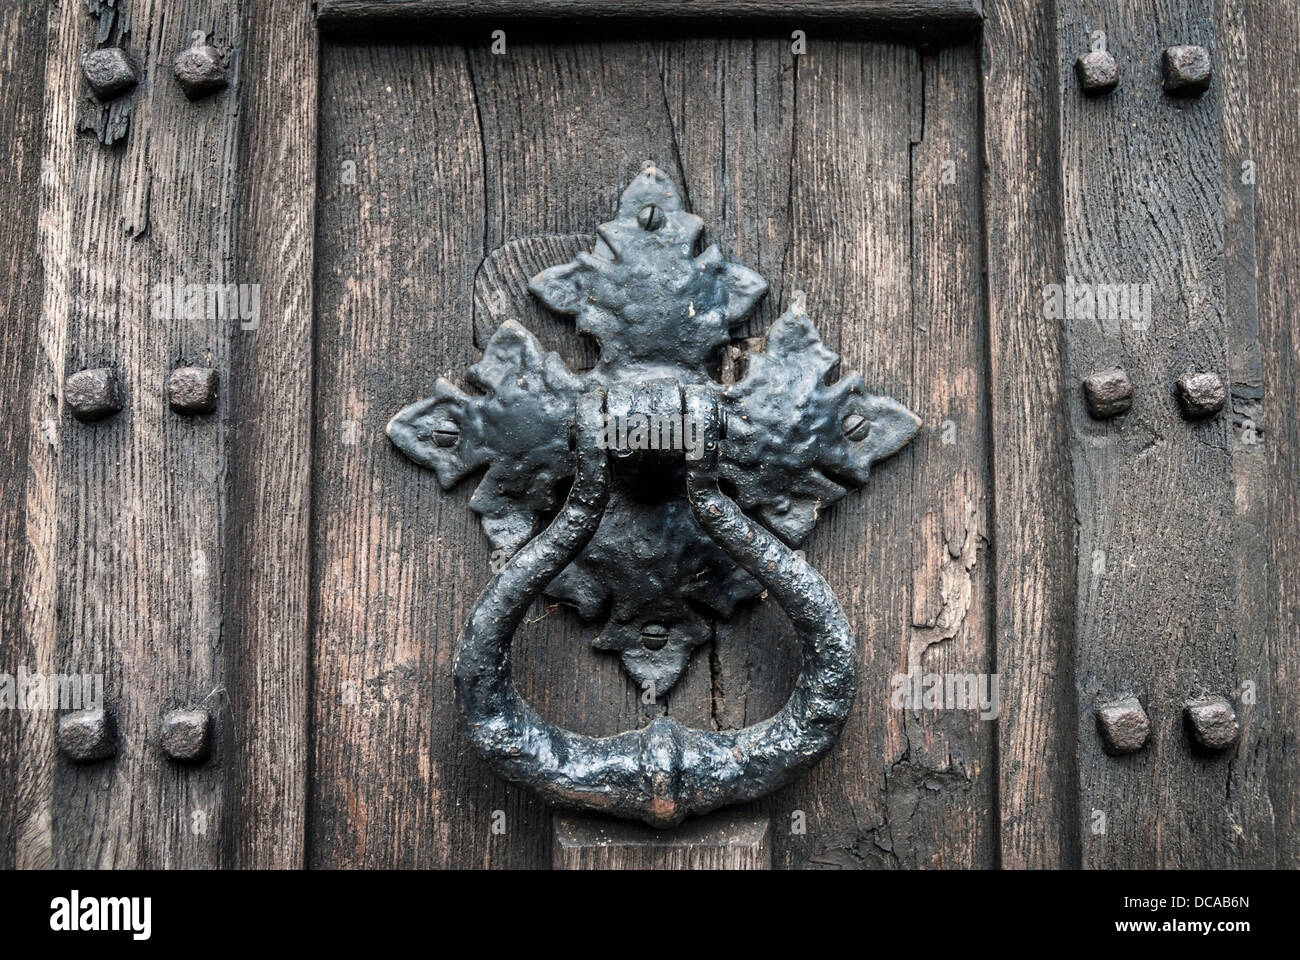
column 646, row 538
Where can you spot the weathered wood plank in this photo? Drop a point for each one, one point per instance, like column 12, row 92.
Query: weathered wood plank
column 1254, row 692
column 22, row 76
column 721, row 841
column 129, row 513
column 930, row 18
column 940, row 794
column 850, row 250
column 1033, row 528
column 1155, row 494
column 398, row 562
column 269, row 546
column 1273, row 33
column 731, row 102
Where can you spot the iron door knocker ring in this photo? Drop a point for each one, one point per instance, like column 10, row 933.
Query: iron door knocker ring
column 646, row 538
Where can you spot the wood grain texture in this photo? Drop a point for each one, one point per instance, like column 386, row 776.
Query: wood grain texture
column 720, row 841
column 942, row 791
column 1256, row 694
column 1273, row 36
column 398, row 562
column 849, row 250
column 1034, row 525
column 1154, row 492
column 127, row 515
column 22, row 76
column 917, row 17
column 269, row 542
column 501, row 293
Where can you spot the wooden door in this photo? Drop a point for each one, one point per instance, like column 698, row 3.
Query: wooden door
column 388, row 175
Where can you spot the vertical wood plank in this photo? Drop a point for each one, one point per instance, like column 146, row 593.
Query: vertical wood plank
column 22, row 75
column 1155, row 492
column 1033, row 506
column 850, row 250
column 269, row 545
column 941, row 792
column 1254, row 692
column 398, row 562
column 731, row 103
column 1273, row 38
column 127, row 580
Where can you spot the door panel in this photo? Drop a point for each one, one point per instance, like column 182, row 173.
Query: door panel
column 851, row 175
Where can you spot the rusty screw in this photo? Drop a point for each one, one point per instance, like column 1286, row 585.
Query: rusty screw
column 1187, row 71
column 1200, row 394
column 650, row 217
column 192, row 389
column 1212, row 722
column 109, row 71
column 92, row 394
column 1108, row 393
column 856, row 426
column 1098, row 73
column 199, row 71
column 1124, row 726
column 186, row 734
column 446, row 433
column 654, row 636
column 87, row 736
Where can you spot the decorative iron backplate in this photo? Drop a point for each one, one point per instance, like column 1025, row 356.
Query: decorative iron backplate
column 787, row 443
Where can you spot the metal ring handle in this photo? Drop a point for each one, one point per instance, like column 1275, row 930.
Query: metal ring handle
column 664, row 771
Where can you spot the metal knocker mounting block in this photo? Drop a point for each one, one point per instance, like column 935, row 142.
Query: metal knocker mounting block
column 647, row 541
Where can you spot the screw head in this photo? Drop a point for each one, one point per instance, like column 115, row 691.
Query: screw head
column 1098, row 73
column 199, row 71
column 1212, row 723
column 1124, row 726
column 1108, row 393
column 856, row 426
column 1187, row 70
column 1201, row 394
column 92, row 394
column 193, row 389
column 650, row 217
column 87, row 736
column 109, row 71
column 446, row 433
column 654, row 636
column 186, row 735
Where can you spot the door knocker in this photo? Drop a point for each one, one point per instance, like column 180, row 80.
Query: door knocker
column 647, row 540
